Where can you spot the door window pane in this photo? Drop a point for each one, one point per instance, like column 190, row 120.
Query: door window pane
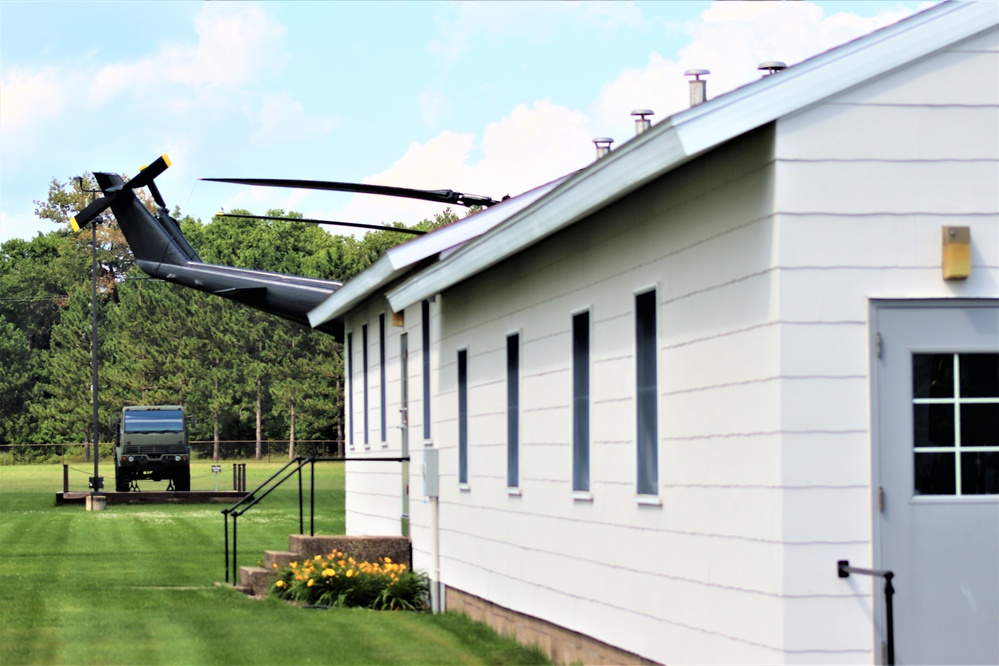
column 979, row 375
column 933, row 376
column 980, row 473
column 935, row 474
column 980, row 424
column 933, row 425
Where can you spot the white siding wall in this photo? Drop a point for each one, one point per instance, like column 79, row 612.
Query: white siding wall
column 764, row 255
column 374, row 490
column 865, row 182
column 675, row 582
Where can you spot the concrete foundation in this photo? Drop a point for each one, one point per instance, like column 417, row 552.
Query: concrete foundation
column 562, row 646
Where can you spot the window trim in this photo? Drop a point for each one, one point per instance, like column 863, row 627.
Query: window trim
column 513, row 362
column 425, row 354
column 350, row 389
column 462, row 387
column 581, row 397
column 364, row 364
column 381, row 383
column 646, row 395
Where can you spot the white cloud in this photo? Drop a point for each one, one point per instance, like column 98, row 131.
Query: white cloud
column 282, row 119
column 236, row 44
column 28, row 98
column 530, row 146
column 468, row 23
column 730, row 39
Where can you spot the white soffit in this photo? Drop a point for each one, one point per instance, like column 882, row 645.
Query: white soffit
column 397, row 260
column 690, row 133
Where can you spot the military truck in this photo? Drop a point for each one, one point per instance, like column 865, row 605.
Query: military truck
column 151, row 443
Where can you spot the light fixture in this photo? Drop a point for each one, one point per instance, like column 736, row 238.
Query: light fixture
column 956, row 253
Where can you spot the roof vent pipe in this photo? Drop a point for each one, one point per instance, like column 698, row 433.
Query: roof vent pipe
column 698, row 86
column 603, row 144
column 642, row 123
column 771, row 67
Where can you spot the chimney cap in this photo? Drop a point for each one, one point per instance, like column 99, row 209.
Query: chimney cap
column 772, row 66
column 603, row 139
column 643, row 112
column 697, row 73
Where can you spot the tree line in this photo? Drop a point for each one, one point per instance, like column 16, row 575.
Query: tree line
column 240, row 373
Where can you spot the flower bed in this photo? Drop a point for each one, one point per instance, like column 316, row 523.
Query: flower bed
column 336, row 580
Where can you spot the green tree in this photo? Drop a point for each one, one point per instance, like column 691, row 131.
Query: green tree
column 143, row 341
column 61, row 407
column 15, row 380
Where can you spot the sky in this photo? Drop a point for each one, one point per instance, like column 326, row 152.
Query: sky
column 490, row 98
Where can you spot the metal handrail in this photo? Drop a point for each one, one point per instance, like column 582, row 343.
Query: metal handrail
column 254, row 497
column 843, row 570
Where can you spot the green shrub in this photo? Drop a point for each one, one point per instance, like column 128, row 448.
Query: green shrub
column 339, row 581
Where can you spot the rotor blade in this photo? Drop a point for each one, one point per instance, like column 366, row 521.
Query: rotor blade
column 379, row 227
column 95, row 208
column 157, row 197
column 439, row 196
column 147, row 174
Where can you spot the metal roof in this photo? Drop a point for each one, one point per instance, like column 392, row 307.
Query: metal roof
column 400, row 259
column 677, row 140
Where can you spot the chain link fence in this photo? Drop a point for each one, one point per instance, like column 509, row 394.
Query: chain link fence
column 269, row 450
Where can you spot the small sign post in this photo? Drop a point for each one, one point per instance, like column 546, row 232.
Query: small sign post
column 215, row 470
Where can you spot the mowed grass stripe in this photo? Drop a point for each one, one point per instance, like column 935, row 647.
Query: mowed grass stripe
column 134, row 585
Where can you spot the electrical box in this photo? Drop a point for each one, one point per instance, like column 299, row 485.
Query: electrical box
column 430, row 470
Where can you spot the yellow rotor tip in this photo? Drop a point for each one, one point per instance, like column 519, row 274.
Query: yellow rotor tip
column 73, row 225
column 166, row 158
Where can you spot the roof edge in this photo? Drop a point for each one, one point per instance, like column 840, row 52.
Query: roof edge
column 693, row 132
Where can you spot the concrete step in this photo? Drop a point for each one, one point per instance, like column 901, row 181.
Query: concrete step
column 361, row 548
column 282, row 558
column 255, row 579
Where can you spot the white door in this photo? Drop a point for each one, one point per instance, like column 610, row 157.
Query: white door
column 936, row 376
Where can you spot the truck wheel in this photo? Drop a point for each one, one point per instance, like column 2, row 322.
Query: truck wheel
column 182, row 481
column 121, row 481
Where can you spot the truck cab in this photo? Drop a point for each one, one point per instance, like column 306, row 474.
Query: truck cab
column 151, row 443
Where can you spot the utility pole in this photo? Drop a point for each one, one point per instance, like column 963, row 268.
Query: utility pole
column 96, row 482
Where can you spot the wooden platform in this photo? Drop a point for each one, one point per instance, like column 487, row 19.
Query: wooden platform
column 155, row 497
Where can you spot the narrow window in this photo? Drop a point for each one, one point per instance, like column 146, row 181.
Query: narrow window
column 350, row 389
column 581, row 401
column 426, row 370
column 381, row 370
column 364, row 362
column 463, row 416
column 513, row 411
column 645, row 371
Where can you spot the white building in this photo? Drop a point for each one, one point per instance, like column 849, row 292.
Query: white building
column 671, row 391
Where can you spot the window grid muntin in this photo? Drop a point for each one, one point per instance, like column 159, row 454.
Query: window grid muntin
column 955, row 401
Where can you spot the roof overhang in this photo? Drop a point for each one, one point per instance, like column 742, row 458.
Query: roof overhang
column 399, row 260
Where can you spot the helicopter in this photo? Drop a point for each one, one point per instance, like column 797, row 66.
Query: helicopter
column 162, row 251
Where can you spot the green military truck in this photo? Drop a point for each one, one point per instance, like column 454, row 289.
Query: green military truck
column 151, row 443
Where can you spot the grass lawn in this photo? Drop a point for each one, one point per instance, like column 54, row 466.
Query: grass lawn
column 134, row 585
